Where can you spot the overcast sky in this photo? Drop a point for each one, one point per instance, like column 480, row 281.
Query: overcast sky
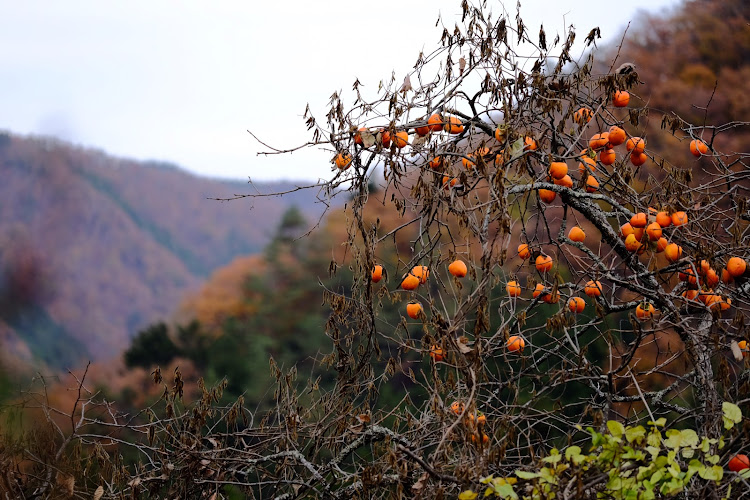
column 183, row 81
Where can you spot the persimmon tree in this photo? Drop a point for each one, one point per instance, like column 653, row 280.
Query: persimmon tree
column 603, row 287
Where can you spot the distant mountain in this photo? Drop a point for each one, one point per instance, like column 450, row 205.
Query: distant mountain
column 94, row 248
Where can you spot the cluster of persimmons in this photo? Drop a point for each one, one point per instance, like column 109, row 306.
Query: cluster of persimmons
column 645, row 231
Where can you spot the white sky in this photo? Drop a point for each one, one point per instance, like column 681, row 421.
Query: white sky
column 183, row 81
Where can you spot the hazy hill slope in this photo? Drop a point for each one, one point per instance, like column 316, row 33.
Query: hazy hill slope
column 93, row 248
column 695, row 63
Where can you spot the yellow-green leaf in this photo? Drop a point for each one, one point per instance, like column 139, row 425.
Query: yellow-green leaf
column 572, row 451
column 615, row 428
column 467, row 495
column 527, row 475
column 689, row 437
column 713, row 473
column 635, row 433
column 731, row 414
column 506, row 491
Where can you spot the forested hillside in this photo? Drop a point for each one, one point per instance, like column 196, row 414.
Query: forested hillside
column 94, row 248
column 697, row 66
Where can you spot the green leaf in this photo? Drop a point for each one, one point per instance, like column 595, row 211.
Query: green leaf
column 672, row 487
column 712, row 459
column 506, row 491
column 693, row 467
column 635, row 433
column 674, row 438
column 731, row 414
column 659, row 422
column 713, row 473
column 527, row 475
column 654, row 439
column 614, row 483
column 552, row 459
column 615, row 428
column 548, row 475
column 572, row 451
column 648, row 494
column 657, row 476
column 689, row 437
column 516, row 149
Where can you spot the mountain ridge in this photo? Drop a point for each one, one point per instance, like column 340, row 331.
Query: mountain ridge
column 94, row 247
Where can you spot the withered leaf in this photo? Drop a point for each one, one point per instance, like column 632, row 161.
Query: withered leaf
column 368, row 138
column 407, row 84
column 420, row 484
column 736, row 351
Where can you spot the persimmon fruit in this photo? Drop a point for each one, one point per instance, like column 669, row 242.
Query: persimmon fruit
column 401, row 139
column 599, row 141
column 576, row 234
column 679, row 218
column 576, row 305
column 343, row 160
column 639, row 220
column 736, row 267
column 635, row 145
column 558, row 169
column 621, row 98
column 410, row 282
column 413, row 309
column 523, row 251
column 421, row 272
column 435, row 122
column 664, row 219
column 543, row 263
column 458, row 268
column 738, row 463
column 698, row 148
column 593, row 288
column 547, row 195
column 638, row 159
column 673, row 252
column 645, row 311
column 566, row 181
column 592, row 185
column 653, row 231
column 607, row 156
column 454, row 125
column 515, row 343
column 616, row 135
column 583, row 115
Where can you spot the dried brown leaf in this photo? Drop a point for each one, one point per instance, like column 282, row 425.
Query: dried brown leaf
column 420, row 484
column 407, row 84
column 736, row 351
column 368, row 138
